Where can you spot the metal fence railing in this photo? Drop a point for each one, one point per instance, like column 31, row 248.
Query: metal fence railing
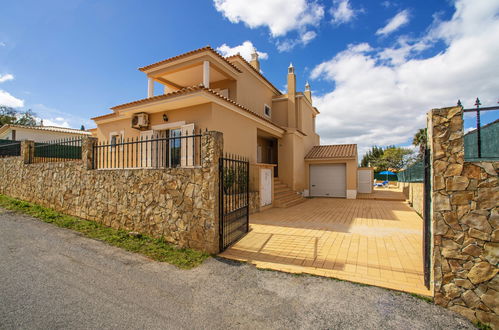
column 10, row 148
column 482, row 142
column 157, row 151
column 413, row 173
column 57, row 150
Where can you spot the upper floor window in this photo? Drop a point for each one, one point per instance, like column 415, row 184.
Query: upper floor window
column 267, row 110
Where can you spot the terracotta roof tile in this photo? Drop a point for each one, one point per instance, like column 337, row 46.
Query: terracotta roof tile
column 192, row 52
column 50, row 128
column 109, row 115
column 333, row 151
column 255, row 70
column 188, row 90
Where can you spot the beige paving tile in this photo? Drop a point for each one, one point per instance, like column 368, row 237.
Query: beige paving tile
column 369, row 241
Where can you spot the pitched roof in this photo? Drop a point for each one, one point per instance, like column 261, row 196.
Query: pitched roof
column 333, row 151
column 256, row 71
column 48, row 128
column 192, row 52
column 184, row 91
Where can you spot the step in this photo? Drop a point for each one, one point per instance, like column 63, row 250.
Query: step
column 295, row 202
column 289, row 197
column 283, row 193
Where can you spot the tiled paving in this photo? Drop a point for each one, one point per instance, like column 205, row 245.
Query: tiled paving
column 366, row 241
column 387, row 194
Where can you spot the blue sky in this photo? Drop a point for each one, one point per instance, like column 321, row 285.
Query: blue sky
column 375, row 67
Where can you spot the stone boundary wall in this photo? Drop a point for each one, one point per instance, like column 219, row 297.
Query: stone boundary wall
column 414, row 192
column 179, row 204
column 465, row 200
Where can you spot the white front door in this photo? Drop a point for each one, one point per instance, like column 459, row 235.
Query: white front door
column 328, row 180
column 364, row 179
column 265, row 186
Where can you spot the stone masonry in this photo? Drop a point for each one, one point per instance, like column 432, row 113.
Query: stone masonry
column 465, row 199
column 179, row 204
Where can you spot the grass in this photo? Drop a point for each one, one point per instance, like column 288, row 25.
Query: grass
column 482, row 326
column 155, row 248
column 425, row 298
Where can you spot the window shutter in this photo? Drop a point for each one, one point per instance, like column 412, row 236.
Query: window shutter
column 187, row 146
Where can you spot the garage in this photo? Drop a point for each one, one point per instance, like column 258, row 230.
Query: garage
column 328, row 180
column 332, row 171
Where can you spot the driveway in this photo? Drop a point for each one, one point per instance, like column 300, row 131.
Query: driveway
column 375, row 242
column 52, row 278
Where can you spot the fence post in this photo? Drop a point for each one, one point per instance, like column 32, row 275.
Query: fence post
column 27, row 151
column 211, row 151
column 87, row 151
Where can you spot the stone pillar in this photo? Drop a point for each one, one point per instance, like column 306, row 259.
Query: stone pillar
column 87, row 151
column 465, row 221
column 212, row 147
column 27, row 151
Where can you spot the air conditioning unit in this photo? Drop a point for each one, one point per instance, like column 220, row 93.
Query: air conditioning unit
column 140, row 121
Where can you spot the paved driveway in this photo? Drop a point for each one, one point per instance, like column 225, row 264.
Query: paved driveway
column 52, row 278
column 374, row 242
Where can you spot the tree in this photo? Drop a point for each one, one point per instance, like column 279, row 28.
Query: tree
column 10, row 115
column 394, row 158
column 390, row 157
column 420, row 140
column 372, row 156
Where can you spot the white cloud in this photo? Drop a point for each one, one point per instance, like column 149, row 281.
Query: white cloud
column 245, row 49
column 8, row 100
column 55, row 117
column 280, row 16
column 342, row 12
column 6, row 77
column 2, row 44
column 303, row 39
column 59, row 122
column 396, row 22
column 382, row 102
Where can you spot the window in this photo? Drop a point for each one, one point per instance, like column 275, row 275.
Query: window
column 115, row 139
column 267, row 110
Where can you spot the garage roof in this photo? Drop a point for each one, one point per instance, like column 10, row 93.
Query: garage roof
column 333, row 151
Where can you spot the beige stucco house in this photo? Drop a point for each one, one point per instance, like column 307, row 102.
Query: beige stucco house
column 39, row 133
column 276, row 131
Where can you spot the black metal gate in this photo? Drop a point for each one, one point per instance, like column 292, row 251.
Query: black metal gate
column 427, row 218
column 234, row 199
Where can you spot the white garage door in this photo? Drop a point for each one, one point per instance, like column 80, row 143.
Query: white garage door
column 328, row 180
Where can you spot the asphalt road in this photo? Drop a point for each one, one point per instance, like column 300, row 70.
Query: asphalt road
column 52, row 278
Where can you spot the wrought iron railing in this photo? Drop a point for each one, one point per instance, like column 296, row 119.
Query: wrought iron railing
column 156, row 151
column 57, row 151
column 482, row 142
column 10, row 148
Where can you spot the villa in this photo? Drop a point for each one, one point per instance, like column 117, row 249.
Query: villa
column 275, row 131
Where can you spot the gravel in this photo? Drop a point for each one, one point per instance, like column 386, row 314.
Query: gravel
column 54, row 278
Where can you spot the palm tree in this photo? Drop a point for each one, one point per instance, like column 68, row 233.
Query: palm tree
column 420, row 139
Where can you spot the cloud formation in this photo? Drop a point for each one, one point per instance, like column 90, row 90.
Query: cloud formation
column 381, row 96
column 245, row 49
column 8, row 100
column 6, row 77
column 342, row 12
column 397, row 21
column 279, row 16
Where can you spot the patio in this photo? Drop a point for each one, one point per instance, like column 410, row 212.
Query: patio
column 366, row 241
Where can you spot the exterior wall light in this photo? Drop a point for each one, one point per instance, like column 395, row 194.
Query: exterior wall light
column 165, row 117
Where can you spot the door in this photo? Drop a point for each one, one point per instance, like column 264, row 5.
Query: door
column 265, row 186
column 328, row 180
column 364, row 181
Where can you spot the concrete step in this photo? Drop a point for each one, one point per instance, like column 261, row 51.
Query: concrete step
column 283, row 193
column 295, row 202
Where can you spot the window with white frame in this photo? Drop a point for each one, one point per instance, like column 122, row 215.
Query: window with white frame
column 115, row 138
column 267, row 111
